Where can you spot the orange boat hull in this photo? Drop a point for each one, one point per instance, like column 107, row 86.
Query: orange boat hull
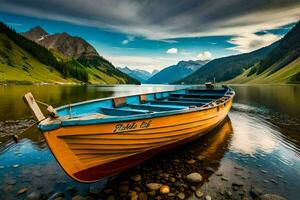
column 91, row 152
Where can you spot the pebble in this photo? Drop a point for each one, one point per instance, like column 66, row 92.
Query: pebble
column 78, row 197
column 171, row 194
column 209, row 169
column 151, row 193
column 143, row 196
column 34, row 196
column 200, row 157
column 133, row 195
column 198, row 193
column 56, row 195
column 154, row 186
column 181, row 196
column 164, row 189
column 254, row 192
column 224, row 179
column 136, row 178
column 94, row 190
column 15, row 166
column 21, row 191
column 111, row 197
column 207, row 197
column 191, row 161
column 59, row 198
column 194, row 177
column 193, row 188
column 239, row 184
column 271, row 197
column 124, row 188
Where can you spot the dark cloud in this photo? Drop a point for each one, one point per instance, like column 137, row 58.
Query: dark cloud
column 161, row 19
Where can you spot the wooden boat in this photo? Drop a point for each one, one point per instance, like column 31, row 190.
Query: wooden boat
column 101, row 138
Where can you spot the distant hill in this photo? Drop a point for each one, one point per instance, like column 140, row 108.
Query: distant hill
column 226, row 68
column 24, row 61
column 176, row 72
column 74, row 52
column 70, row 46
column 138, row 74
column 281, row 65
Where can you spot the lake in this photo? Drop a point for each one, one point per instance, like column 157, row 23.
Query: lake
column 255, row 151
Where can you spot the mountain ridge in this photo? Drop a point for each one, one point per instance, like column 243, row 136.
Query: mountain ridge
column 178, row 71
column 139, row 74
column 67, row 69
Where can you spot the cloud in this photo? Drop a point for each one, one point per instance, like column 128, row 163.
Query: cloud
column 249, row 42
column 130, row 38
column 172, row 51
column 163, row 21
column 206, row 55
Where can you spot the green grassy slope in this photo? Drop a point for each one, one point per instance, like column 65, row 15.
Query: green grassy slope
column 284, row 75
column 226, row 68
column 17, row 65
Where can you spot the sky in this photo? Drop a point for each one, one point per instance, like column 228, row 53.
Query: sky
column 154, row 34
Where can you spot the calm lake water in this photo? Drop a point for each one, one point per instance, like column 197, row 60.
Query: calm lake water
column 258, row 144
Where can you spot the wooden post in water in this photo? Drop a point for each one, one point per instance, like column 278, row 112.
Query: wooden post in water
column 33, row 106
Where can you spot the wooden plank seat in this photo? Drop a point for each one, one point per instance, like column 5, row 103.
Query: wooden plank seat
column 207, row 91
column 156, row 108
column 122, row 111
column 200, row 100
column 204, row 95
column 182, row 103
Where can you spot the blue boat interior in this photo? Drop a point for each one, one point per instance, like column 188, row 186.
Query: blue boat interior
column 134, row 107
column 144, row 104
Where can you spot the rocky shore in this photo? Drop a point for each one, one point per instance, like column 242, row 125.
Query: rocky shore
column 189, row 172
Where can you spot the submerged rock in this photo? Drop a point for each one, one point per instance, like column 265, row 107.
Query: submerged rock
column 164, row 189
column 154, row 186
column 198, row 193
column 143, row 196
column 271, row 197
column 21, row 191
column 191, row 161
column 34, row 196
column 207, row 197
column 181, row 196
column 136, row 178
column 78, row 197
column 56, row 195
column 194, row 177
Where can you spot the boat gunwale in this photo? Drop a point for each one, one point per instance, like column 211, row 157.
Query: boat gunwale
column 115, row 119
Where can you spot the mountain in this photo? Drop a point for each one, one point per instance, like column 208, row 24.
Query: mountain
column 75, row 51
column 24, row 61
column 138, row 74
column 155, row 71
column 69, row 46
column 19, row 62
column 226, row 68
column 176, row 72
column 35, row 34
column 281, row 65
column 276, row 63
